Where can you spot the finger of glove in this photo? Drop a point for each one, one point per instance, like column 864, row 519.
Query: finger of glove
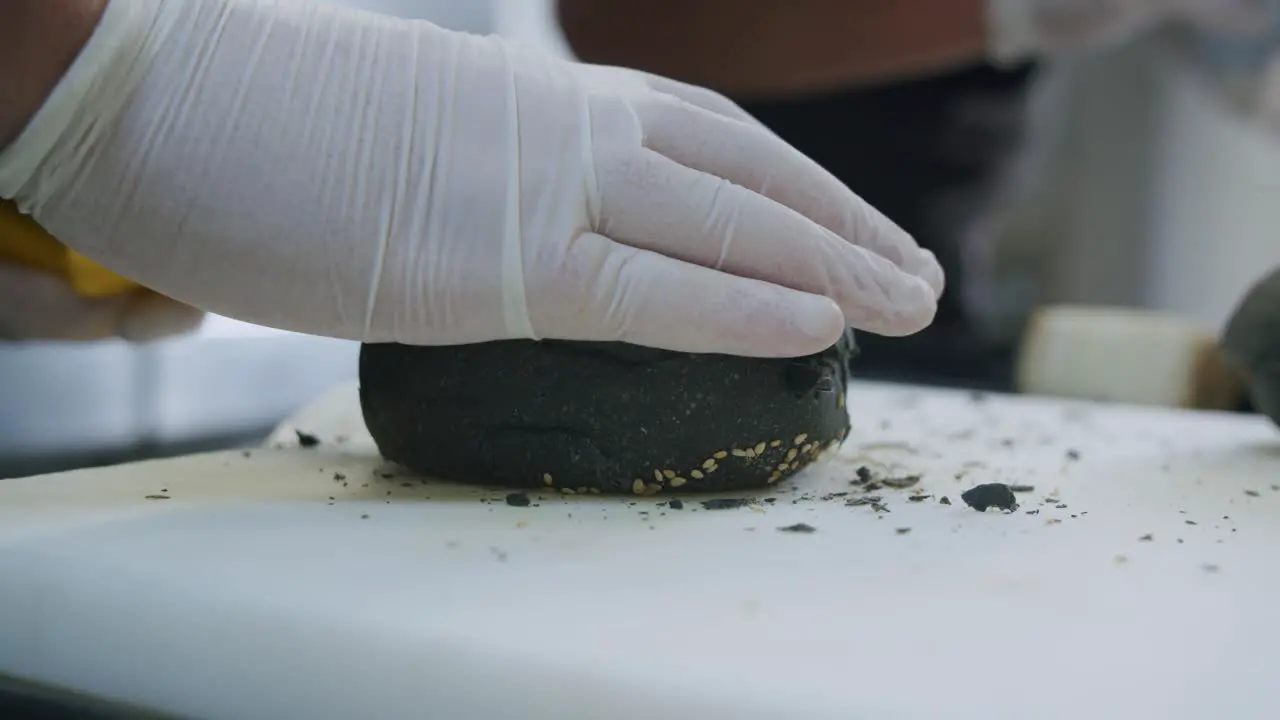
column 606, row 291
column 39, row 306
column 654, row 203
column 151, row 316
column 704, row 98
column 756, row 159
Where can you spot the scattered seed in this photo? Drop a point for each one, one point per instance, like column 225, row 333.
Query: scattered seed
column 775, row 443
column 668, row 474
column 720, row 455
column 799, row 439
column 547, row 479
column 678, row 481
column 637, row 486
column 696, row 474
column 759, row 448
column 657, row 475
column 738, row 453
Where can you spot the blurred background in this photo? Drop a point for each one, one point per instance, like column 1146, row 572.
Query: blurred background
column 1146, row 176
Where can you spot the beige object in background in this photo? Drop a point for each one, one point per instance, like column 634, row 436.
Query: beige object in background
column 1129, row 356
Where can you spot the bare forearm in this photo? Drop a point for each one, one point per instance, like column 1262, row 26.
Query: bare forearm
column 772, row 48
column 39, row 39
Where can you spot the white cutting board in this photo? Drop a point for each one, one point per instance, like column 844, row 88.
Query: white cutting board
column 264, row 588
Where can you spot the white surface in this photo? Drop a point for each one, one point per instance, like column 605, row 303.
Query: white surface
column 260, row 590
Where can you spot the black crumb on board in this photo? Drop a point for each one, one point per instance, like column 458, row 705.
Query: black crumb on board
column 997, row 495
column 306, row 439
column 725, row 503
column 676, row 504
column 798, row 528
column 518, row 499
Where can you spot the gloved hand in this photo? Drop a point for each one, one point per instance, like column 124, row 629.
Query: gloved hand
column 324, row 170
column 1018, row 28
column 35, row 305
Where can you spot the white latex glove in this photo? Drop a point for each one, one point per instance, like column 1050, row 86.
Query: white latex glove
column 38, row 306
column 324, row 170
column 1019, row 28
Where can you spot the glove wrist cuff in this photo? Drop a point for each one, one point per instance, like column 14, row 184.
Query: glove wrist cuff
column 95, row 85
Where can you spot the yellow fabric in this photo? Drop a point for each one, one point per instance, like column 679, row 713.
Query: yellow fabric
column 24, row 242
